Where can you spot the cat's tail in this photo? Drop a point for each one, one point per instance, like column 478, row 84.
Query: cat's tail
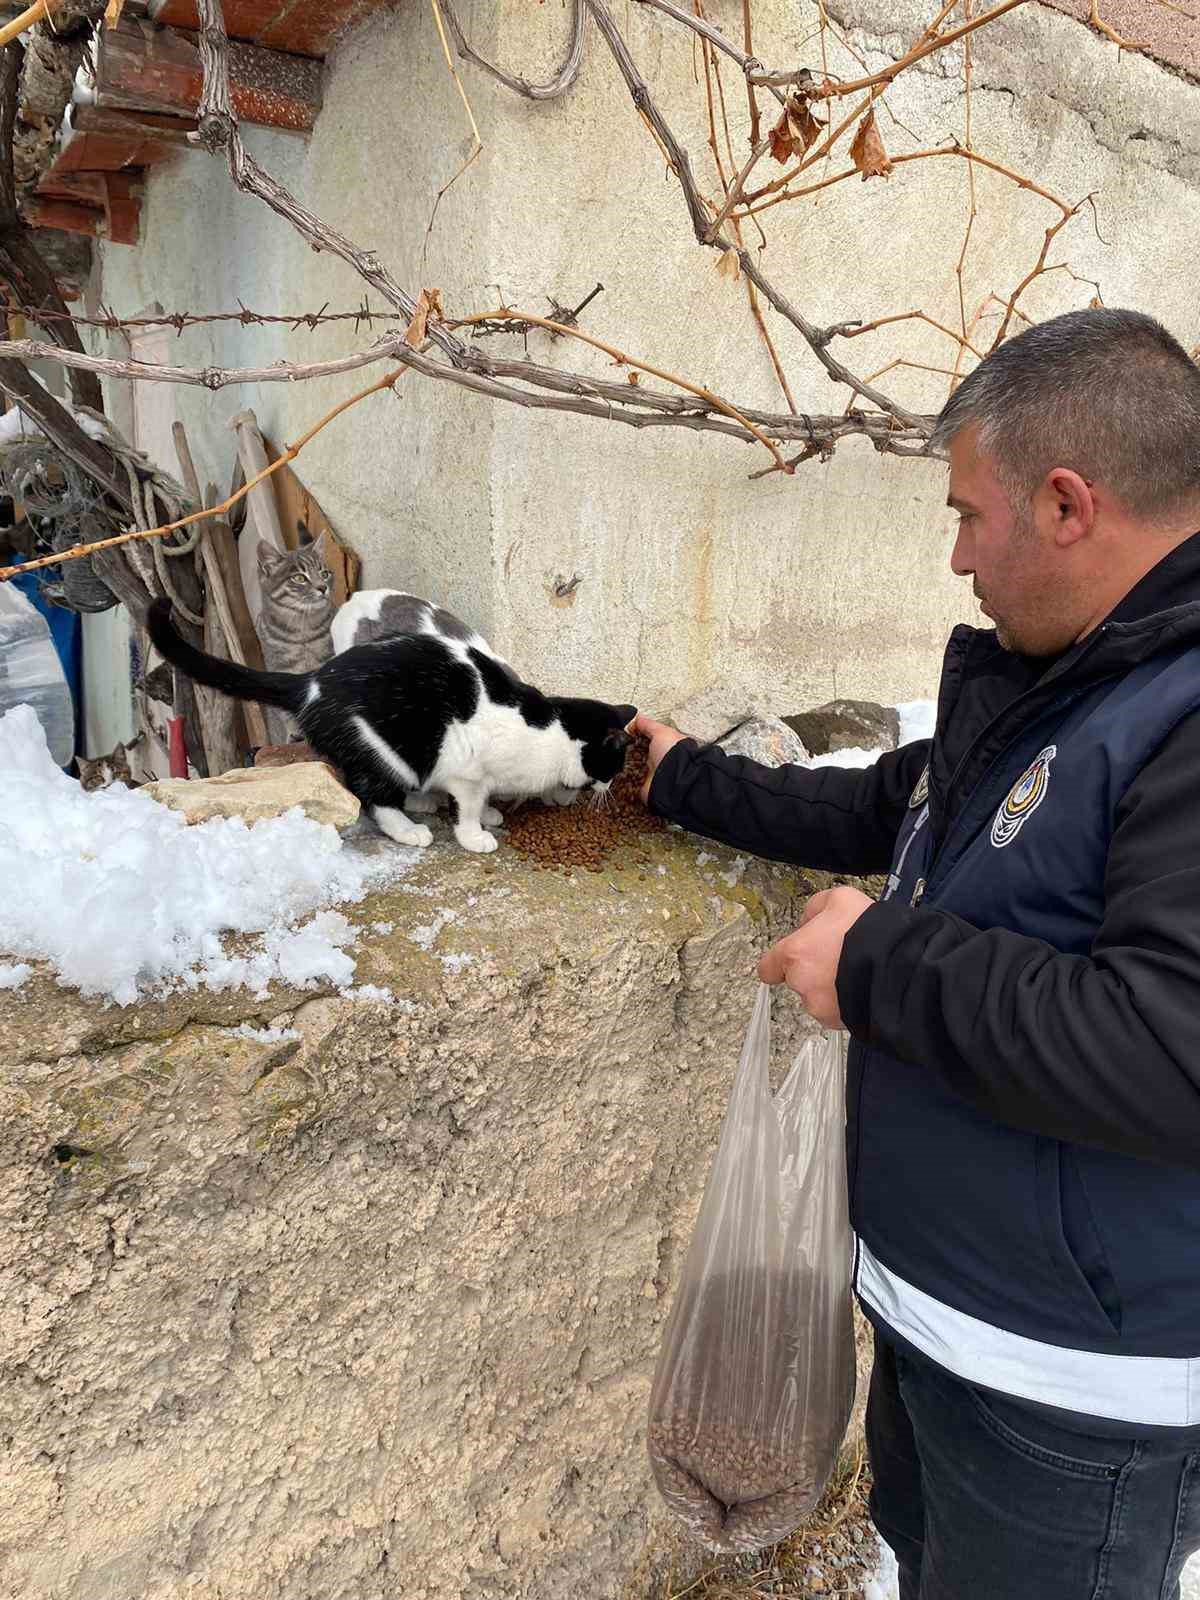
column 288, row 690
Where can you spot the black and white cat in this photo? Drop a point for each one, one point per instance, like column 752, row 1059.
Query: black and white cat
column 418, row 712
column 374, row 614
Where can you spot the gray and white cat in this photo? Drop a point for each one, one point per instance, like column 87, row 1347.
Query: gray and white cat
column 293, row 625
column 374, row 614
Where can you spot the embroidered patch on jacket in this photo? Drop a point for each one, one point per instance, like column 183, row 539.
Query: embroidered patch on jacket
column 1023, row 799
column 921, row 793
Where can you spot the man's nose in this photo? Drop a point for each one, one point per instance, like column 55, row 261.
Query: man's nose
column 962, row 561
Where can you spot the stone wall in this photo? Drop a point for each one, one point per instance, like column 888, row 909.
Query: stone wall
column 370, row 1308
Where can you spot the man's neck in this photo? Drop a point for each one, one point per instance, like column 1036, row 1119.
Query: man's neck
column 1146, row 546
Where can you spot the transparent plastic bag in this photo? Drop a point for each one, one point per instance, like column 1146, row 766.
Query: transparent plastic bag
column 755, row 1378
column 31, row 673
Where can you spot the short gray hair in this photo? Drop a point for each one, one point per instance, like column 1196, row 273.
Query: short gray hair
column 1109, row 394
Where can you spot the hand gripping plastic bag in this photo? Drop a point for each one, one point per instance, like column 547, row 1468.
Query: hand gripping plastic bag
column 755, row 1378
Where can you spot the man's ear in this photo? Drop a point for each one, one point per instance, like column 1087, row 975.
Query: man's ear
column 1069, row 504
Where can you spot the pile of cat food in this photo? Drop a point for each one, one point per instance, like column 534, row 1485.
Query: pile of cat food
column 583, row 834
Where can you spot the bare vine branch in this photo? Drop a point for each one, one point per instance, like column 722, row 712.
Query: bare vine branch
column 816, row 338
column 201, row 377
column 554, row 86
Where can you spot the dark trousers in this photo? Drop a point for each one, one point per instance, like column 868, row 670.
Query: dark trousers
column 983, row 1499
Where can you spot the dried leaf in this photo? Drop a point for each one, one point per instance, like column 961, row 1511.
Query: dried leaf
column 729, row 265
column 429, row 304
column 795, row 131
column 634, row 378
column 867, row 152
column 781, row 140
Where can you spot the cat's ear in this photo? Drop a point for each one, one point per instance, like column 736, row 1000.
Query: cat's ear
column 302, row 533
column 119, row 753
column 267, row 556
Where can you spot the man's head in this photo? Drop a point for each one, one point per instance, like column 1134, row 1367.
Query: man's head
column 1074, row 468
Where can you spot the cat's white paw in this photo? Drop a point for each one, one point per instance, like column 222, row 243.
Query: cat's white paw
column 491, row 818
column 478, row 841
column 563, row 797
column 414, row 835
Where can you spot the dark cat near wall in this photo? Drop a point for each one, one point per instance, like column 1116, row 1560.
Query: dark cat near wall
column 415, row 713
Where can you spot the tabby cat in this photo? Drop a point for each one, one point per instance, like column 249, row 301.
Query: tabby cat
column 297, row 608
column 101, row 771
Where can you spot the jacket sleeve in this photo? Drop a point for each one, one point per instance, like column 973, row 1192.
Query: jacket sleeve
column 1101, row 1049
column 837, row 819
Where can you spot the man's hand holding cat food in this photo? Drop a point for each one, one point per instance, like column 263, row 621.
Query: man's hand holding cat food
column 661, row 740
column 807, row 960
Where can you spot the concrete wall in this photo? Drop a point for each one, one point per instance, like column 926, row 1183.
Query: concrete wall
column 787, row 591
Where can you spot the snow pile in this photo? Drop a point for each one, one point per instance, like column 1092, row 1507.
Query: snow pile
column 845, row 758
column 121, row 895
column 917, row 718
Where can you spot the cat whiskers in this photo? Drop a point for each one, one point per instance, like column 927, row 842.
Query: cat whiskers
column 599, row 799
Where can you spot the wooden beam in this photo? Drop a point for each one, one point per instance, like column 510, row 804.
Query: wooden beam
column 64, row 214
column 145, row 68
column 169, row 132
column 303, row 27
column 116, row 141
column 85, row 188
column 110, row 198
column 122, row 211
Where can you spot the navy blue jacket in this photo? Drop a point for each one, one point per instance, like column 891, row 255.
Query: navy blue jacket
column 1023, row 1095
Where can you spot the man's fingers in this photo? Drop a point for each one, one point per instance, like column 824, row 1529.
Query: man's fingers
column 815, row 906
column 647, row 726
column 772, row 967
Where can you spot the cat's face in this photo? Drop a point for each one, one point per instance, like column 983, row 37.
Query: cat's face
column 298, row 578
column 105, row 770
column 601, row 731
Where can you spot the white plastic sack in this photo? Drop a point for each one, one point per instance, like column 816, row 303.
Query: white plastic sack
column 31, row 673
column 755, row 1378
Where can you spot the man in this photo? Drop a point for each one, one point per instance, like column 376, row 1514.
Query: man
column 1023, row 1099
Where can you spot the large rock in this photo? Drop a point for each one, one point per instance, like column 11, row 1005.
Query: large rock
column 256, row 792
column 309, row 1296
column 847, row 725
column 765, row 739
column 713, row 711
